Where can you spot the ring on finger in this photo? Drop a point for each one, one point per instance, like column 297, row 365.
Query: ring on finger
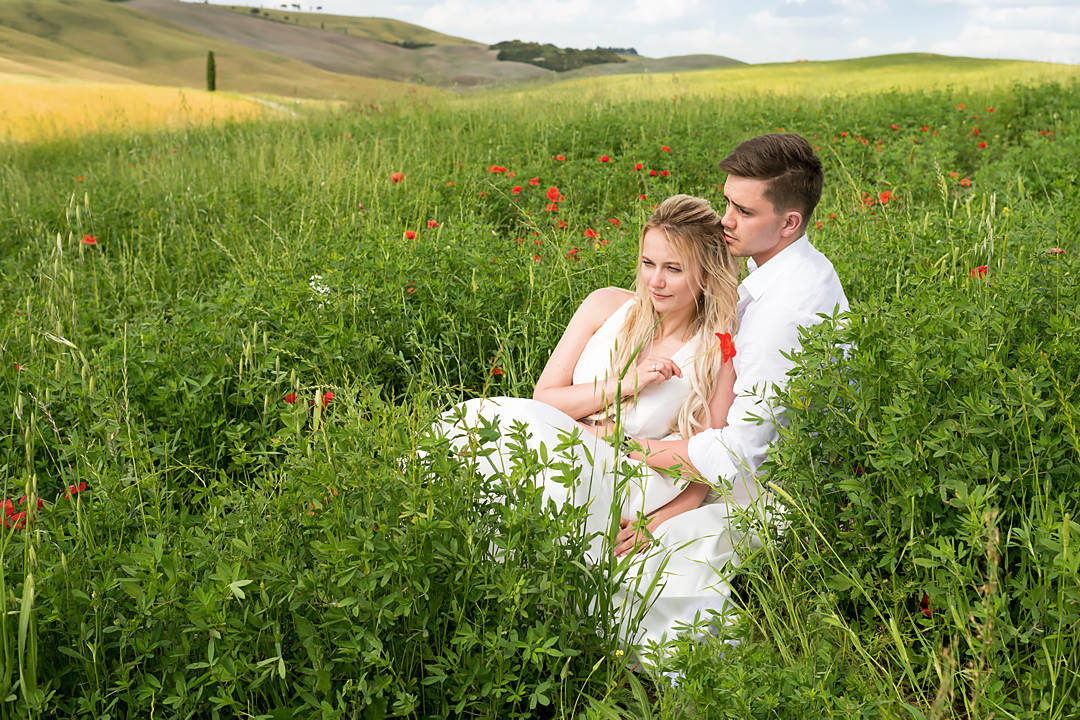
column 654, row 367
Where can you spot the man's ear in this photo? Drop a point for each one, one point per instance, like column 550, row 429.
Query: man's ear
column 792, row 224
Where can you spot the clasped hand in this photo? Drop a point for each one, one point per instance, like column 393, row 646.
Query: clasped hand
column 656, row 368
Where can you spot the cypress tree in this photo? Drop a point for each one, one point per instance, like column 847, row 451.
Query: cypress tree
column 211, row 72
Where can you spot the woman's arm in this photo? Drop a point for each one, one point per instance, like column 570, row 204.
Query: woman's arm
column 664, row 455
column 556, row 383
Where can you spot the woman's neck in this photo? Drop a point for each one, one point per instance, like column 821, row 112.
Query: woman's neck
column 677, row 326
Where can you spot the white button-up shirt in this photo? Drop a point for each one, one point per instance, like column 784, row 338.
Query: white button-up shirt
column 786, row 292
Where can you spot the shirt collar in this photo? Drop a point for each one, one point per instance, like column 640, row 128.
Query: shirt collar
column 764, row 276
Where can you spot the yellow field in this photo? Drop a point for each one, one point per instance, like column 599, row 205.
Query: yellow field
column 909, row 72
column 37, row 109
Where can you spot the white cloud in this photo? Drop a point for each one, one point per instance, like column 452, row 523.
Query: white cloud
column 652, row 12
column 979, row 40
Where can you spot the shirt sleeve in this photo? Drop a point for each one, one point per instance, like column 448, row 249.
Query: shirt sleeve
column 732, row 454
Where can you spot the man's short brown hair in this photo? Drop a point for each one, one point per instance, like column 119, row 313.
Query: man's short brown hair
column 788, row 164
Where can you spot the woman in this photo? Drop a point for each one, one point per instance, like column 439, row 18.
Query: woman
column 635, row 365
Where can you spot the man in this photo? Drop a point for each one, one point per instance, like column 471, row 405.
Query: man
column 773, row 185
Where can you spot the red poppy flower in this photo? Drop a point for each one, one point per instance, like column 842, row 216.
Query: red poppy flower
column 497, row 371
column 327, row 397
column 410, row 235
column 990, row 109
column 551, row 207
column 895, row 126
column 886, row 196
column 954, row 174
column 572, row 253
column 561, row 223
column 590, row 233
column 397, row 177
column 534, row 181
column 79, row 179
column 638, row 166
column 641, row 197
column 450, row 182
column 664, row 173
column 614, row 221
column 496, row 169
column 433, row 223
column 19, row 367
column 410, row 288
column 982, row 144
column 516, row 190
column 727, row 346
column 605, row 158
column 553, row 194
column 291, row 398
column 964, row 182
column 560, row 158
column 510, row 174
column 924, row 605
column 960, row 106
column 536, row 258
column 818, row 225
column 75, row 490
column 980, row 271
column 89, row 239
column 843, row 134
column 665, row 148
column 652, row 173
column 925, row 128
column 1053, row 251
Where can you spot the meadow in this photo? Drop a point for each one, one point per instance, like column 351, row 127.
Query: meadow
column 221, row 345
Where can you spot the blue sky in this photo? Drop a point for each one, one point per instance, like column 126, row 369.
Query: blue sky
column 763, row 31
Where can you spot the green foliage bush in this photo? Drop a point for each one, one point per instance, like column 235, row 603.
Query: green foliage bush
column 237, row 267
column 554, row 58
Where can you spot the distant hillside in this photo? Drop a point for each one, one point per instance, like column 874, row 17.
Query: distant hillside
column 459, row 65
column 395, row 32
column 676, row 63
column 113, row 42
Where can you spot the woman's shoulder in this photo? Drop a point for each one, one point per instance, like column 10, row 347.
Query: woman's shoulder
column 604, row 301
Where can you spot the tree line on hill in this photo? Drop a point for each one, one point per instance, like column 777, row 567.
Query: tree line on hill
column 555, row 58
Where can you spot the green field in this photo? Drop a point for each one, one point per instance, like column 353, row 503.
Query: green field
column 224, row 339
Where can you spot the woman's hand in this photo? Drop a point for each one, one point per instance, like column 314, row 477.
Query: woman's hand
column 655, row 368
column 632, row 538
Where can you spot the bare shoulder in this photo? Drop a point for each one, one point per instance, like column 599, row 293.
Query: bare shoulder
column 605, row 301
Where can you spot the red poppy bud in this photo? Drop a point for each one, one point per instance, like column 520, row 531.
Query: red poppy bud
column 327, row 397
column 924, row 605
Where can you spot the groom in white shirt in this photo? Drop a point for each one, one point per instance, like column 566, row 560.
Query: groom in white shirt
column 773, row 185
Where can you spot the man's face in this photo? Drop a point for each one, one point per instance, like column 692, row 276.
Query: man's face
column 752, row 226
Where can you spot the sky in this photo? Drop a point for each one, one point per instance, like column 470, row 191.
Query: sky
column 762, row 31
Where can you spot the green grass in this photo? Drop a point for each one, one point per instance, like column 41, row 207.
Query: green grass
column 238, row 554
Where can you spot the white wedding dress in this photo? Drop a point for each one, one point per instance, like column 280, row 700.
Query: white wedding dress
column 693, row 551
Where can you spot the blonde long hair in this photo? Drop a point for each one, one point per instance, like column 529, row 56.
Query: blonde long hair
column 694, row 231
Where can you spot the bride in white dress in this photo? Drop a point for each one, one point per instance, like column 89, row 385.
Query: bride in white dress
column 669, row 340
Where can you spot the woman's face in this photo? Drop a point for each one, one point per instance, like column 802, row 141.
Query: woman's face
column 672, row 284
